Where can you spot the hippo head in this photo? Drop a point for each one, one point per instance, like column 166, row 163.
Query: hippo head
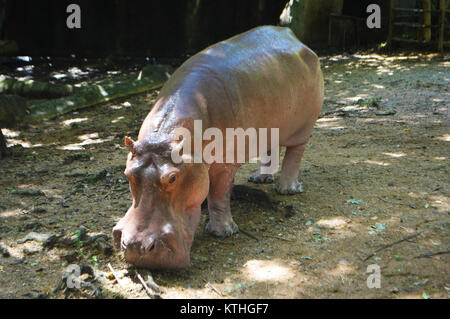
column 158, row 229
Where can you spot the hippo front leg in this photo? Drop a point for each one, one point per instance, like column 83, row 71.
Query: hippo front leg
column 221, row 222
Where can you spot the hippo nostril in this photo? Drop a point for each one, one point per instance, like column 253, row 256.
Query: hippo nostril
column 150, row 245
column 117, row 235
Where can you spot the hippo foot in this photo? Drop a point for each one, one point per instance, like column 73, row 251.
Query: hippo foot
column 261, row 178
column 223, row 229
column 296, row 188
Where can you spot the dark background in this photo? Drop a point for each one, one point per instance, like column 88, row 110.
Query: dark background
column 155, row 28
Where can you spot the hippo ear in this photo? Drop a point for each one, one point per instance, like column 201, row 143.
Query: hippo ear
column 130, row 144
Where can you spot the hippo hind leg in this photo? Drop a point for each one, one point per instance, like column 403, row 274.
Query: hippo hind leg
column 221, row 222
column 288, row 183
column 259, row 177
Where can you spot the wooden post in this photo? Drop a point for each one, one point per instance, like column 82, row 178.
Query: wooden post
column 442, row 8
column 391, row 20
column 426, row 20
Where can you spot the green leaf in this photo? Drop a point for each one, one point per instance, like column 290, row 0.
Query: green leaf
column 306, row 257
column 355, row 201
column 425, row 295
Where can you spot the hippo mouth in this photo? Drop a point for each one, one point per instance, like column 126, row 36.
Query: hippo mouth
column 158, row 256
column 167, row 251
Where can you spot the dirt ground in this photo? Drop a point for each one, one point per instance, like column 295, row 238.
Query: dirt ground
column 376, row 180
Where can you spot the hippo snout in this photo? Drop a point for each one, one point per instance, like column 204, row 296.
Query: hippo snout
column 146, row 244
column 151, row 250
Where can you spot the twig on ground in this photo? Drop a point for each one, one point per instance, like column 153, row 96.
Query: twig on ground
column 280, row 238
column 392, row 244
column 389, row 202
column 152, row 284
column 147, row 289
column 115, row 275
column 249, row 235
column 217, row 291
column 433, row 254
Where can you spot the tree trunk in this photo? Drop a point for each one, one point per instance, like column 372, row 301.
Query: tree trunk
column 3, row 148
column 12, row 110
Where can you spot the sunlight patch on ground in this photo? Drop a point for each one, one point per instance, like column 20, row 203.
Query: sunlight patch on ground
column 445, row 138
column 329, row 126
column 117, row 119
column 267, row 270
column 11, row 139
column 377, row 163
column 77, row 120
column 24, row 144
column 342, row 268
column 354, row 99
column 11, row 213
column 79, row 146
column 10, row 133
column 354, row 108
column 370, row 120
column 87, row 139
column 440, row 202
column 395, row 154
column 440, row 158
column 329, row 119
column 15, row 252
column 333, row 223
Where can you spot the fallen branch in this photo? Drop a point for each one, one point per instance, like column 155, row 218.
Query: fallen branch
column 389, row 202
column 249, row 235
column 433, row 254
column 152, row 284
column 147, row 289
column 280, row 238
column 115, row 275
column 89, row 96
column 33, row 88
column 392, row 244
column 217, row 291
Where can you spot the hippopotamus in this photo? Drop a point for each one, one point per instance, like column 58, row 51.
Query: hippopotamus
column 263, row 78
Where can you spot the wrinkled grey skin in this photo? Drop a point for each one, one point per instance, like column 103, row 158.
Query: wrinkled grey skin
column 264, row 78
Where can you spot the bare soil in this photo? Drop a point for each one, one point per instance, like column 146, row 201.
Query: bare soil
column 375, row 173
